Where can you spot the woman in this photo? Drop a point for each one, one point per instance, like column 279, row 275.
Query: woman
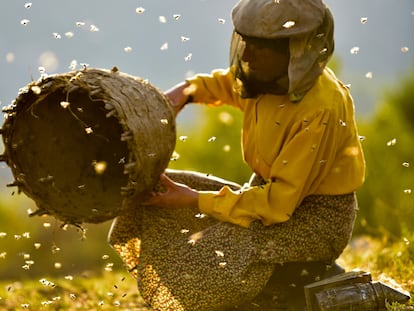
column 301, row 142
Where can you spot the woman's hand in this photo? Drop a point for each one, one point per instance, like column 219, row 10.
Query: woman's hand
column 179, row 96
column 175, row 196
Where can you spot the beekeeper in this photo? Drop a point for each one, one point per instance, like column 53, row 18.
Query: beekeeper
column 301, row 142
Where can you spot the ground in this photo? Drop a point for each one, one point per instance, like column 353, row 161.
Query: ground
column 117, row 290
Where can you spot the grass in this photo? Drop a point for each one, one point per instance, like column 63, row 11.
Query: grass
column 388, row 262
column 108, row 291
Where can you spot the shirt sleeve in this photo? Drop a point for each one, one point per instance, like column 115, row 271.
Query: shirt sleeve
column 214, row 89
column 294, row 173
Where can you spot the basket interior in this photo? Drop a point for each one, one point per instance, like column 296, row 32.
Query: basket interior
column 71, row 155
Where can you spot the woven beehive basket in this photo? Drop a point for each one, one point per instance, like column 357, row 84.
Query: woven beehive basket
column 79, row 143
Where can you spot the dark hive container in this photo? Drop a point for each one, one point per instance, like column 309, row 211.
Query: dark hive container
column 82, row 142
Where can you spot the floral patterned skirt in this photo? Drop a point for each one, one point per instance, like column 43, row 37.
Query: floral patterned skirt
column 186, row 261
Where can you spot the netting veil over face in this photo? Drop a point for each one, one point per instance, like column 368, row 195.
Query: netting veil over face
column 309, row 27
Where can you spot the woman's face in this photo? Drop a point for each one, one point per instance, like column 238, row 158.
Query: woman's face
column 265, row 60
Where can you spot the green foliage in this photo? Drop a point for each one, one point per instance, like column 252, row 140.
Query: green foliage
column 33, row 246
column 402, row 101
column 387, row 198
column 389, row 261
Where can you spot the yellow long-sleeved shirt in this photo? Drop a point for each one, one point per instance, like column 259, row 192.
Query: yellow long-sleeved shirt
column 305, row 148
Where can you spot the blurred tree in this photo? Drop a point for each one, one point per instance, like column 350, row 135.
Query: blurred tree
column 386, row 199
column 38, row 246
column 212, row 143
column 402, row 100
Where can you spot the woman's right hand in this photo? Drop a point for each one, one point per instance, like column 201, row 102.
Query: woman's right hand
column 179, row 95
column 175, row 195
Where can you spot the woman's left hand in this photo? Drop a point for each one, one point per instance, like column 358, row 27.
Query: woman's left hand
column 175, row 196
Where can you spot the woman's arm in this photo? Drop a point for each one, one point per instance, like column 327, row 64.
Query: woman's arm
column 213, row 89
column 179, row 95
column 175, row 195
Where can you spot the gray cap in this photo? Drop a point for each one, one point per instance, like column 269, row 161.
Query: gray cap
column 277, row 18
column 308, row 24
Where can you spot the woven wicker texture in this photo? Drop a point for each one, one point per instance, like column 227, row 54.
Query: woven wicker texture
column 79, row 143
